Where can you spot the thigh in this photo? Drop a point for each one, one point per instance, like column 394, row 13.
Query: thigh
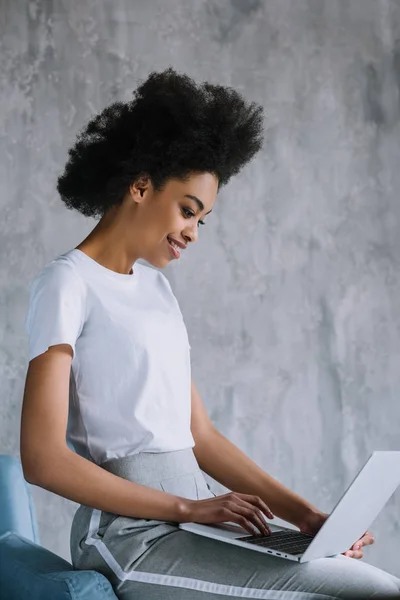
column 184, row 566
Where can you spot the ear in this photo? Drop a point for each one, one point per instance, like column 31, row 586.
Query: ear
column 139, row 187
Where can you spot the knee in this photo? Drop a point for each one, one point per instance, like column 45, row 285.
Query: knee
column 344, row 578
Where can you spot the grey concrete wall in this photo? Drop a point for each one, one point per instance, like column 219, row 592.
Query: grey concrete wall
column 291, row 296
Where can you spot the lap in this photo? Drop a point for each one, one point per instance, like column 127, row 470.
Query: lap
column 153, row 560
column 184, row 566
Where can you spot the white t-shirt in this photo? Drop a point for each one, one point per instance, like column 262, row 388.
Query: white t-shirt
column 130, row 382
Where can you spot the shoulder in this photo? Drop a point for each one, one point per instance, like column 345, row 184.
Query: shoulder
column 59, row 274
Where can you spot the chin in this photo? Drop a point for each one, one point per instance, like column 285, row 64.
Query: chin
column 158, row 263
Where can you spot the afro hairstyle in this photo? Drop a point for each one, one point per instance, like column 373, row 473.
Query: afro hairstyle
column 172, row 128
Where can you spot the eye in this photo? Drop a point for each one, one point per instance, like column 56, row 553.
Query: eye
column 189, row 214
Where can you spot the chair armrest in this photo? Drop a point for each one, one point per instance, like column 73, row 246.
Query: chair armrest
column 30, row 571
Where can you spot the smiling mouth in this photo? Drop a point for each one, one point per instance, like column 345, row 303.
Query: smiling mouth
column 174, row 249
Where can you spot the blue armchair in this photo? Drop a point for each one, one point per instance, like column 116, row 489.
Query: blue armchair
column 27, row 570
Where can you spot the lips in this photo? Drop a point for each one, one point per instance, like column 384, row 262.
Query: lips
column 174, row 250
column 180, row 244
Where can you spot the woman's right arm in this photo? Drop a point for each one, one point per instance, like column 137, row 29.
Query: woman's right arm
column 48, row 462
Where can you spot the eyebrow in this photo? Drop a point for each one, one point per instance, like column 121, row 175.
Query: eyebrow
column 199, row 202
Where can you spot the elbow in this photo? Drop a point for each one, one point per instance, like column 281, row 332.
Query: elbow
column 204, row 442
column 30, row 477
column 30, row 474
column 37, row 465
column 203, row 435
column 32, row 468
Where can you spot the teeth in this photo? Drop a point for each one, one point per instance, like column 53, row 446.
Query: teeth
column 174, row 245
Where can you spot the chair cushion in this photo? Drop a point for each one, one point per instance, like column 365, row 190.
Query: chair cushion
column 17, row 512
column 30, row 571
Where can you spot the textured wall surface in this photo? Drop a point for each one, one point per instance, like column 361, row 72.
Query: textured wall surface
column 291, row 296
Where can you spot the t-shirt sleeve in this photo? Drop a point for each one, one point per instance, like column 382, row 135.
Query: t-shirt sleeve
column 56, row 310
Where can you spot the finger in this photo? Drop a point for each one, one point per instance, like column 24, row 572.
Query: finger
column 255, row 515
column 256, row 501
column 251, row 514
column 354, row 553
column 367, row 539
column 242, row 521
column 257, row 519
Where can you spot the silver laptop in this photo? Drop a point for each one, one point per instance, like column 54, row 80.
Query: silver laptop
column 350, row 519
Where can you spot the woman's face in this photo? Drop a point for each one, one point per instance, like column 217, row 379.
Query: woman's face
column 173, row 213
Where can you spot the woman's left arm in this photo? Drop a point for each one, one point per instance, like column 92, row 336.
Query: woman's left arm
column 227, row 464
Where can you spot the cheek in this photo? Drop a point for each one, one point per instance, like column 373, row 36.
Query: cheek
column 175, row 223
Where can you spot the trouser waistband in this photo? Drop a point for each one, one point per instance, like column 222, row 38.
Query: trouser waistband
column 146, row 467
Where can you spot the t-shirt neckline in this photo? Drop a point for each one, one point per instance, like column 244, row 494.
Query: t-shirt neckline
column 102, row 270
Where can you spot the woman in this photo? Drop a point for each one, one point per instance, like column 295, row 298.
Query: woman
column 108, row 333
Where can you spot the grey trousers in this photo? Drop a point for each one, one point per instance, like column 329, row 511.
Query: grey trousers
column 155, row 560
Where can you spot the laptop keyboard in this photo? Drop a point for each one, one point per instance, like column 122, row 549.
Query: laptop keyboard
column 291, row 542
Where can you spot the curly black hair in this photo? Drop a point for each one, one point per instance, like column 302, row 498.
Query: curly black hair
column 170, row 129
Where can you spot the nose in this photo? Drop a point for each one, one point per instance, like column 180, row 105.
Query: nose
column 191, row 234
